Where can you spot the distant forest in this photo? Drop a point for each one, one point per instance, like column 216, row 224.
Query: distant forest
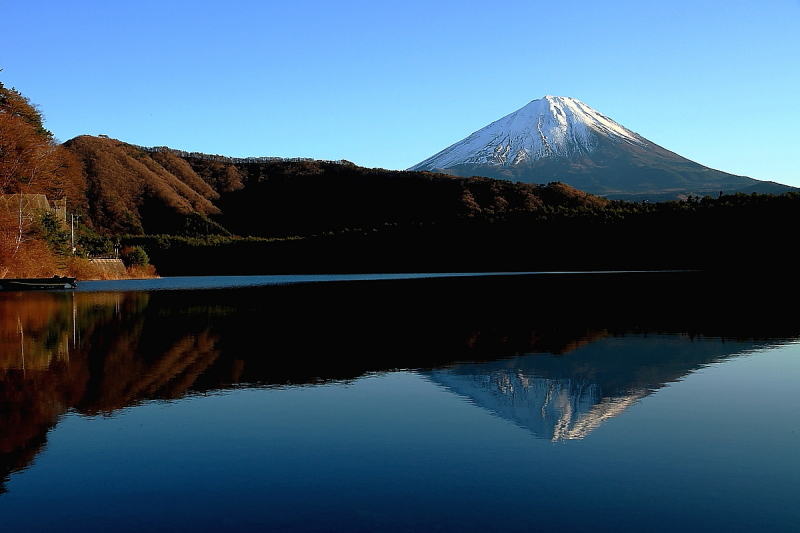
column 192, row 214
column 298, row 216
column 741, row 234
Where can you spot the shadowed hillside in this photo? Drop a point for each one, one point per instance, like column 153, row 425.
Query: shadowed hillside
column 134, row 190
column 128, row 191
column 199, row 214
column 285, row 198
column 333, row 216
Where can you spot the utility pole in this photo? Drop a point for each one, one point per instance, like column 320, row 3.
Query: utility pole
column 72, row 230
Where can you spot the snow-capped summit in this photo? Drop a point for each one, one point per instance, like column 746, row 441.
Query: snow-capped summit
column 553, row 126
column 558, row 138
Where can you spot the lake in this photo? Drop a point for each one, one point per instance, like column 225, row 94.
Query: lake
column 569, row 402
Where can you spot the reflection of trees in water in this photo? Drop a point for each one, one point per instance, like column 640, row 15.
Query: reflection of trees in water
column 127, row 378
column 88, row 352
column 21, row 457
column 94, row 353
column 38, row 381
column 34, row 330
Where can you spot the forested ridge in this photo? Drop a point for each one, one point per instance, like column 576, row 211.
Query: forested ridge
column 195, row 213
column 134, row 190
column 33, row 163
column 333, row 216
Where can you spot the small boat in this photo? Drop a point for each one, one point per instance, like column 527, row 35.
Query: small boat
column 38, row 284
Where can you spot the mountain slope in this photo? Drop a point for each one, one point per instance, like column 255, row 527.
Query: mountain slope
column 552, row 127
column 561, row 138
column 131, row 191
column 137, row 190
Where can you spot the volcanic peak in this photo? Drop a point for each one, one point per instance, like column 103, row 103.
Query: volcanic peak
column 553, row 126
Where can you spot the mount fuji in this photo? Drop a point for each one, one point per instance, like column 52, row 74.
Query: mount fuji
column 558, row 138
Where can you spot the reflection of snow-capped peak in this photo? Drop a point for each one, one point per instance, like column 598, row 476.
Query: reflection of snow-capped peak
column 557, row 409
column 553, row 126
column 599, row 413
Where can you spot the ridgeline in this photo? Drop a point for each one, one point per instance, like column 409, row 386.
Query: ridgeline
column 273, row 215
column 199, row 214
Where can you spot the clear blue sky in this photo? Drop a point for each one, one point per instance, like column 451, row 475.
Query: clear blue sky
column 389, row 83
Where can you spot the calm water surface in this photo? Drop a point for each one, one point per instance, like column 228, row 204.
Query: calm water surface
column 343, row 408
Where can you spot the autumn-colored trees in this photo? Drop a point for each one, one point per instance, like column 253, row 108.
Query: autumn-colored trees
column 31, row 162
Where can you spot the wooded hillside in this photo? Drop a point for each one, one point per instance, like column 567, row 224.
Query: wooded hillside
column 135, row 190
column 32, row 163
column 195, row 213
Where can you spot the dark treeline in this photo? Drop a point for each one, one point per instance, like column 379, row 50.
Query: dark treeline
column 303, row 198
column 197, row 214
column 225, row 159
column 732, row 233
column 138, row 191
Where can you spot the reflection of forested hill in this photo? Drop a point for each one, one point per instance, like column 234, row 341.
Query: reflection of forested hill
column 94, row 353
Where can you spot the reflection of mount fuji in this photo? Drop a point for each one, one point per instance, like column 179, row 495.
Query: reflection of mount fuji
column 567, row 397
column 95, row 353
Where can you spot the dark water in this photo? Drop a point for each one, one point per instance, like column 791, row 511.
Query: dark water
column 493, row 403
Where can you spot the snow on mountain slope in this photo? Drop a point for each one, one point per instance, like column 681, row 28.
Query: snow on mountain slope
column 553, row 126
